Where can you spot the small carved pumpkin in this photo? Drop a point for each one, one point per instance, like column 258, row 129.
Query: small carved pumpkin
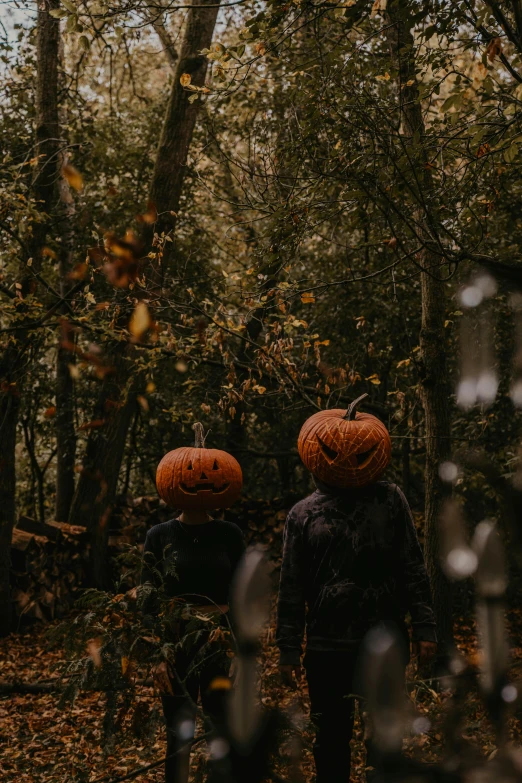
column 194, row 477
column 343, row 448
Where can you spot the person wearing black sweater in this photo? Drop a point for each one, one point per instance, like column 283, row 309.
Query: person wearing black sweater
column 195, row 558
column 351, row 561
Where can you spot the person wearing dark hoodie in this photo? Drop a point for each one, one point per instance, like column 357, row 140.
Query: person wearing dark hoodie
column 351, row 562
column 192, row 560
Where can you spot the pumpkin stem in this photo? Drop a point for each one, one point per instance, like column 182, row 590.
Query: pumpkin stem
column 200, row 435
column 350, row 415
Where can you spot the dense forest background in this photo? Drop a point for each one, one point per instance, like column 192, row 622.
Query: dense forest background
column 239, row 214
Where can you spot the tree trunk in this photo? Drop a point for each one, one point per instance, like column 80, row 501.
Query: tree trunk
column 65, row 429
column 180, row 118
column 435, row 400
column 96, row 489
column 65, row 424
column 434, row 385
column 12, row 363
column 9, row 409
column 47, row 121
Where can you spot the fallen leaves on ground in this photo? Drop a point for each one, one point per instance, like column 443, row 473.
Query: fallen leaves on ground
column 43, row 742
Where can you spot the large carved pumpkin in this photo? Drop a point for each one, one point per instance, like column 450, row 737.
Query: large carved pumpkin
column 199, row 478
column 343, row 448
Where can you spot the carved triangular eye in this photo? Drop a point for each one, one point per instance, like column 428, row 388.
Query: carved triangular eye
column 330, row 454
column 215, row 467
column 189, row 466
column 364, row 455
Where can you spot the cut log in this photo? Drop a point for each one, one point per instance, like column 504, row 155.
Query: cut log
column 23, row 541
column 46, row 569
column 29, row 525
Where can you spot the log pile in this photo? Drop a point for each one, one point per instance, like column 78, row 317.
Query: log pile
column 48, row 564
column 49, row 561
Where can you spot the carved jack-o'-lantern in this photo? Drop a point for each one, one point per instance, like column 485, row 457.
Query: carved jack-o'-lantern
column 198, row 478
column 343, row 448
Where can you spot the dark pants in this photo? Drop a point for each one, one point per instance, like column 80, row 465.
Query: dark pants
column 195, row 674
column 334, row 684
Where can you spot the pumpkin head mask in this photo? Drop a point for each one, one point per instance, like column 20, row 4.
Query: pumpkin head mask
column 199, row 478
column 344, row 448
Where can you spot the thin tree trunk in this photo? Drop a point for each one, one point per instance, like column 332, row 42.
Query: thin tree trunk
column 96, row 488
column 12, row 364
column 434, row 384
column 65, row 429
column 47, row 121
column 65, row 425
column 65, row 404
column 9, row 410
column 96, row 491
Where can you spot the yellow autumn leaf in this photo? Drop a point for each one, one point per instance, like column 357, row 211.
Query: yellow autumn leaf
column 307, row 298
column 220, row 684
column 260, row 389
column 140, row 320
column 143, row 402
column 93, row 650
column 373, row 379
column 185, row 79
column 124, row 665
column 377, row 7
column 404, row 363
column 72, row 176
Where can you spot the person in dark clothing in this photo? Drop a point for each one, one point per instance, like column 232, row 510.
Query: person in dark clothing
column 351, row 561
column 195, row 558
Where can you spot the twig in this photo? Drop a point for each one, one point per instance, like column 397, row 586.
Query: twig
column 157, row 763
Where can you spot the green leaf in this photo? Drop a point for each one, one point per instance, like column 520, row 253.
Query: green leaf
column 70, row 6
column 58, row 13
column 72, row 21
column 453, row 100
column 84, row 43
column 511, row 153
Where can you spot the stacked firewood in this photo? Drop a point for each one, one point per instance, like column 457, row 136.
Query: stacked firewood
column 48, row 565
column 49, row 560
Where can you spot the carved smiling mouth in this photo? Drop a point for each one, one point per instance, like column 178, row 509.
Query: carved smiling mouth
column 204, row 488
column 365, row 455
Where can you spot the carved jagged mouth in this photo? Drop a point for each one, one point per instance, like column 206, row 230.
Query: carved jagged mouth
column 330, row 454
column 365, row 455
column 204, row 488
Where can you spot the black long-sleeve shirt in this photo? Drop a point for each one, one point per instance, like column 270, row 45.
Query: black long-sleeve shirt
column 351, row 559
column 195, row 562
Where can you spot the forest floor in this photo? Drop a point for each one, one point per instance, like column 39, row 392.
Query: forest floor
column 46, row 742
